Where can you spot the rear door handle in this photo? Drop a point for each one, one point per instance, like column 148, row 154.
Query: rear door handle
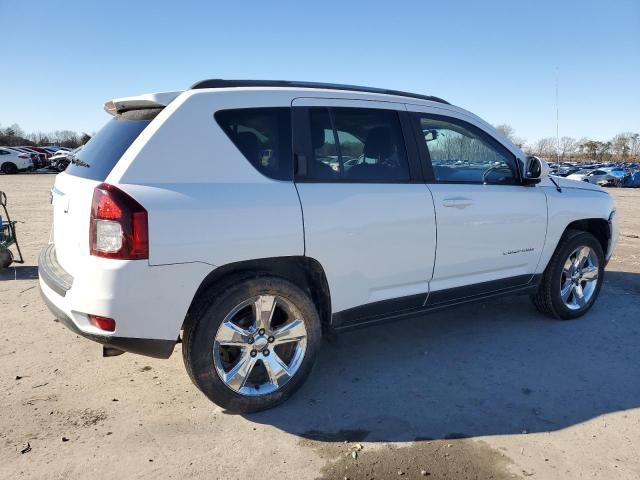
column 457, row 202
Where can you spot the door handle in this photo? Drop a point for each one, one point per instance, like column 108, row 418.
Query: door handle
column 457, row 202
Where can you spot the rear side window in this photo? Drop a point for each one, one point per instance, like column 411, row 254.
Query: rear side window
column 356, row 145
column 96, row 159
column 263, row 136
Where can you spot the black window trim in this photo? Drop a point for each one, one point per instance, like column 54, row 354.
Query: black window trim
column 302, row 148
column 426, row 157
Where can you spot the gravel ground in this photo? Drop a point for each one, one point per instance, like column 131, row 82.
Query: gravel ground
column 489, row 390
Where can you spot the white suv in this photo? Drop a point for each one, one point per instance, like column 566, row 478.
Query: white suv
column 249, row 218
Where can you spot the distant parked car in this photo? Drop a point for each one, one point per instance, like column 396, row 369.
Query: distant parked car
column 13, row 162
column 42, row 156
column 591, row 176
column 61, row 160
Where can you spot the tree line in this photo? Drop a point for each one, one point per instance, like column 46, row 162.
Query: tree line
column 623, row 147
column 14, row 136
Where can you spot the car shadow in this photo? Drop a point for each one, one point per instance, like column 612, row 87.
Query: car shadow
column 19, row 272
column 490, row 368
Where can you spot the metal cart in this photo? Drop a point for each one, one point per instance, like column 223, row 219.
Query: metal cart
column 7, row 236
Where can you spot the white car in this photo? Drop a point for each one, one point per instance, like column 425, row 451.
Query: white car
column 592, row 176
column 250, row 218
column 13, row 161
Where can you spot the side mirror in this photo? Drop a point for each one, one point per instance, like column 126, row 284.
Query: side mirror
column 535, row 170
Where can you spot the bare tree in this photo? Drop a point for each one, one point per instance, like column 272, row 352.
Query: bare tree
column 509, row 132
column 567, row 148
column 545, row 148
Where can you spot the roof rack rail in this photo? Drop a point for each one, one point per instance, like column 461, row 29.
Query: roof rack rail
column 220, row 83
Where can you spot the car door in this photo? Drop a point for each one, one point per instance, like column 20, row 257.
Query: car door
column 368, row 216
column 491, row 228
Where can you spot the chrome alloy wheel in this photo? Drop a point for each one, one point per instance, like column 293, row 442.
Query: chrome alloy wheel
column 579, row 278
column 260, row 345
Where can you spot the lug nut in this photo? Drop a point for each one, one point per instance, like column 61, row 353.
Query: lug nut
column 253, row 353
column 251, row 340
column 271, row 339
column 261, row 331
column 265, row 352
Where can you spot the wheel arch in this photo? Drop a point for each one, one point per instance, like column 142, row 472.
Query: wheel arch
column 598, row 227
column 305, row 272
column 4, row 164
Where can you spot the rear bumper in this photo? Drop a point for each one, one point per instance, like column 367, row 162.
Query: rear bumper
column 149, row 304
column 143, row 346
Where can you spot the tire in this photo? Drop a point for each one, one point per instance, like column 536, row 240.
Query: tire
column 6, row 257
column 9, row 168
column 557, row 279
column 208, row 359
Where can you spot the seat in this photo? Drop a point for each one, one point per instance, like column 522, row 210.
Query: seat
column 379, row 147
column 317, row 168
column 249, row 144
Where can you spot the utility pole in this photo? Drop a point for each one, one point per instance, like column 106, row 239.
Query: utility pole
column 557, row 119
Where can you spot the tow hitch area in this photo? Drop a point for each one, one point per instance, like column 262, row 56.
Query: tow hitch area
column 111, row 351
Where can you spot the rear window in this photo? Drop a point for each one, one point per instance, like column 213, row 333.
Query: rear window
column 96, row 159
column 263, row 135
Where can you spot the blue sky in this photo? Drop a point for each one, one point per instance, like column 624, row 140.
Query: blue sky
column 63, row 59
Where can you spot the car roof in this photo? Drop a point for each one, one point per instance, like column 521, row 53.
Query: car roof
column 221, row 83
column 162, row 99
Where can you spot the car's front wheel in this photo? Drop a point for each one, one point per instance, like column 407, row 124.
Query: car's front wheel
column 251, row 344
column 572, row 280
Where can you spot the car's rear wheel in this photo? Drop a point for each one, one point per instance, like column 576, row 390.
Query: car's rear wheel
column 251, row 345
column 572, row 280
column 9, row 168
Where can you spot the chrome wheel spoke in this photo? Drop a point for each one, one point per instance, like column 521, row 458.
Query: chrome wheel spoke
column 292, row 332
column 582, row 256
column 264, row 307
column 567, row 269
column 566, row 290
column 231, row 335
column 238, row 375
column 277, row 370
column 589, row 273
column 578, row 295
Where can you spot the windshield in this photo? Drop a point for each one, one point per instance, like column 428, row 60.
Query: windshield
column 96, row 159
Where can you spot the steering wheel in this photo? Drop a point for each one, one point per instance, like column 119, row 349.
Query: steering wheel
column 486, row 174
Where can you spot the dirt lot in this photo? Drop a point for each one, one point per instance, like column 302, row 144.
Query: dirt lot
column 483, row 391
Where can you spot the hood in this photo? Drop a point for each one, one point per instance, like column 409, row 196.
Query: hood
column 566, row 182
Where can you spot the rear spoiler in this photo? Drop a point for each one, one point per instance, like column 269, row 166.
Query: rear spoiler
column 141, row 102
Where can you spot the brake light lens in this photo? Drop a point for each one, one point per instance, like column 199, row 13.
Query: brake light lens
column 103, row 323
column 119, row 225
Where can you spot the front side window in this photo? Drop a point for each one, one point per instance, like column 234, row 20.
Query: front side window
column 462, row 153
column 263, row 135
column 357, row 145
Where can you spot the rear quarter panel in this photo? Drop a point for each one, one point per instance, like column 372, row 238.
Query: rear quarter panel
column 206, row 202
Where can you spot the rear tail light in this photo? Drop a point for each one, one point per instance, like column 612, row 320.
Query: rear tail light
column 119, row 225
column 103, row 323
